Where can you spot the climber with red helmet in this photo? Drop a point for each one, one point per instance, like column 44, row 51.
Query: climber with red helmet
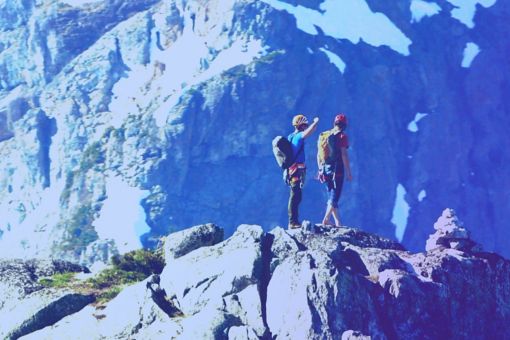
column 296, row 172
column 334, row 166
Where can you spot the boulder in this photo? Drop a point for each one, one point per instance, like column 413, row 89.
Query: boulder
column 132, row 313
column 27, row 304
column 311, row 295
column 19, row 278
column 38, row 310
column 181, row 243
column 225, row 280
column 339, row 283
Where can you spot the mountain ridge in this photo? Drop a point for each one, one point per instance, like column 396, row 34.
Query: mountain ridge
column 165, row 102
column 314, row 283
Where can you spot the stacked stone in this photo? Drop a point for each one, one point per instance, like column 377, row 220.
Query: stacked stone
column 451, row 234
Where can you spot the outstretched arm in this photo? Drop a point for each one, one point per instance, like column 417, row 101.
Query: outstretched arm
column 311, row 128
column 347, row 165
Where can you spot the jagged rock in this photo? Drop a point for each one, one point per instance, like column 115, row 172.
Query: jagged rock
column 133, row 313
column 181, row 243
column 225, row 279
column 27, row 304
column 450, row 234
column 38, row 310
column 219, row 294
column 338, row 283
column 310, row 295
column 99, row 253
column 414, row 301
column 19, row 278
column 376, row 260
column 119, row 96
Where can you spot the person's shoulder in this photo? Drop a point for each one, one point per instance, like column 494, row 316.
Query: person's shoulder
column 296, row 135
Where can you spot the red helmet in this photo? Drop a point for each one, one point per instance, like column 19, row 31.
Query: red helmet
column 341, row 119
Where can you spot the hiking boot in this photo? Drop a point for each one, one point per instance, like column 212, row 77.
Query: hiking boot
column 294, row 226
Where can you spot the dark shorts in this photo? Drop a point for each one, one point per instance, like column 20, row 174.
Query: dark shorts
column 334, row 186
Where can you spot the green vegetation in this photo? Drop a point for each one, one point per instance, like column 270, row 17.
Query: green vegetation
column 80, row 231
column 59, row 280
column 119, row 134
column 140, row 261
column 66, row 193
column 239, row 71
column 107, row 133
column 91, row 156
column 108, row 295
column 127, row 269
column 112, row 277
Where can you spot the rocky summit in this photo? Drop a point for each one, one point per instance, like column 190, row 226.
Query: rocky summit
column 314, row 283
column 122, row 121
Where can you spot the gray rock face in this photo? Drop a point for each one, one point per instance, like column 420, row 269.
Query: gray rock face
column 26, row 305
column 223, row 287
column 38, row 310
column 180, row 243
column 20, row 278
column 132, row 313
column 338, row 283
column 119, row 104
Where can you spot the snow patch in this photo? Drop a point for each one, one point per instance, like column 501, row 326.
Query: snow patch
column 349, row 19
column 190, row 60
column 422, row 195
column 22, row 234
column 465, row 10
column 335, row 60
column 420, row 9
column 79, row 3
column 122, row 218
column 470, row 52
column 413, row 126
column 400, row 213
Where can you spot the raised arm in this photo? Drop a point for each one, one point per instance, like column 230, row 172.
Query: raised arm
column 311, row 128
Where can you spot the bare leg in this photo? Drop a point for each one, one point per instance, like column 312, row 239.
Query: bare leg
column 336, row 216
column 325, row 220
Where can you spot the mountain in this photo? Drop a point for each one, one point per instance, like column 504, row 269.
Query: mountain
column 313, row 283
column 122, row 121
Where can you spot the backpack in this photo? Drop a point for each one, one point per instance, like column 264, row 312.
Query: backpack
column 324, row 148
column 282, row 150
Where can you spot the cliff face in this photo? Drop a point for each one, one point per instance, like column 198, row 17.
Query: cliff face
column 125, row 119
column 313, row 283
